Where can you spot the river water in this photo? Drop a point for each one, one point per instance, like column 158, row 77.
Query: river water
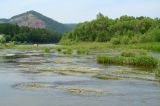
column 20, row 67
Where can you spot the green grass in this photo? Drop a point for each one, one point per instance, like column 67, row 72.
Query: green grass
column 85, row 47
column 47, row 50
column 141, row 61
column 133, row 53
column 7, row 45
column 129, row 53
column 68, row 51
column 32, row 47
column 82, row 51
column 153, row 46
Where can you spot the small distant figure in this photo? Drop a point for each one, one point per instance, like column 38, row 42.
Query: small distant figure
column 35, row 45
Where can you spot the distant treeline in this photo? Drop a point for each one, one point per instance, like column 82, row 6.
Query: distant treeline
column 123, row 30
column 28, row 35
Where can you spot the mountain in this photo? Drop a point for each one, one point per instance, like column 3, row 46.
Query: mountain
column 34, row 19
column 4, row 20
column 71, row 26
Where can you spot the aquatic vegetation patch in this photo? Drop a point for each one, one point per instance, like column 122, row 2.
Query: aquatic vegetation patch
column 62, row 62
column 128, row 53
column 69, row 70
column 32, row 85
column 32, row 61
column 35, row 54
column 33, row 47
column 147, row 79
column 106, row 77
column 47, row 50
column 22, row 55
column 82, row 51
column 59, row 49
column 119, row 77
column 68, row 51
column 131, row 72
column 133, row 53
column 86, row 91
column 142, row 61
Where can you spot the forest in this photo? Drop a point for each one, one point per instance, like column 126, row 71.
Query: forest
column 123, row 30
column 11, row 32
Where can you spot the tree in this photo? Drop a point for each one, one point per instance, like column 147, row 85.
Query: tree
column 26, row 34
column 102, row 29
column 2, row 39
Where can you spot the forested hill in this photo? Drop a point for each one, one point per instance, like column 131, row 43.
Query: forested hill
column 34, row 19
column 126, row 29
column 23, row 34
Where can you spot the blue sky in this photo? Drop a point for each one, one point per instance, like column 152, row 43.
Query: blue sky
column 74, row 11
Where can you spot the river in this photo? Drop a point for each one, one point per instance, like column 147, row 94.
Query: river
column 20, row 76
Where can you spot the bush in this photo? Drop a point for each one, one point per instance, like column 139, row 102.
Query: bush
column 115, row 41
column 124, row 40
column 155, row 33
column 135, row 39
column 2, row 39
column 146, row 38
column 10, row 44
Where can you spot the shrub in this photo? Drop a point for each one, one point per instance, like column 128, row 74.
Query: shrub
column 124, row 40
column 2, row 39
column 135, row 39
column 10, row 45
column 155, row 33
column 146, row 38
column 115, row 41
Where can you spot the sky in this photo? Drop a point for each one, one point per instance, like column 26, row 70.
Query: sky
column 75, row 11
